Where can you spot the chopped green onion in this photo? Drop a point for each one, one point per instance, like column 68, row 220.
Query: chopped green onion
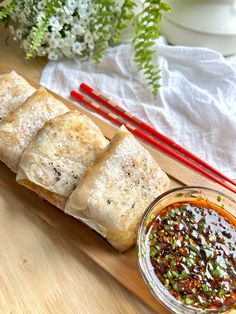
column 175, row 274
column 155, row 250
column 195, row 248
column 179, row 194
column 190, row 262
column 175, row 286
column 218, row 272
column 205, row 288
column 194, row 234
column 169, row 274
column 151, row 218
column 188, row 301
column 173, row 263
column 168, row 228
column 183, row 275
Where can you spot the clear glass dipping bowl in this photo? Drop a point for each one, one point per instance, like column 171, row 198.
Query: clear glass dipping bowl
column 168, row 198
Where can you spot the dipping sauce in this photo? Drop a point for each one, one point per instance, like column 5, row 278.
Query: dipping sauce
column 193, row 253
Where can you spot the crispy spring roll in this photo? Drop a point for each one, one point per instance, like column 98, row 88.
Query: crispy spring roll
column 116, row 190
column 57, row 158
column 20, row 126
column 14, row 90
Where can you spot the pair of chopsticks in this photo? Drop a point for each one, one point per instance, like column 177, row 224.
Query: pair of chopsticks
column 159, row 141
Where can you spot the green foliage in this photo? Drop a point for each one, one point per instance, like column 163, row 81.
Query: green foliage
column 6, row 11
column 38, row 33
column 110, row 24
column 40, row 29
column 127, row 14
column 104, row 24
column 147, row 31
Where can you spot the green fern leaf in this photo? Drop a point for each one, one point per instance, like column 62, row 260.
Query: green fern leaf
column 6, row 11
column 105, row 22
column 41, row 28
column 127, row 13
column 38, row 35
column 147, row 31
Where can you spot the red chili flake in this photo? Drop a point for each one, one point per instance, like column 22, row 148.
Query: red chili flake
column 190, row 261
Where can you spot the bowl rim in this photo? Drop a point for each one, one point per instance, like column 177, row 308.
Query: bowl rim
column 181, row 307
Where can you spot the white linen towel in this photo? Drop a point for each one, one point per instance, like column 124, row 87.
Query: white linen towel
column 196, row 105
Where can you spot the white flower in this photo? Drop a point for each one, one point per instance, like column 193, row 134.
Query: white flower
column 52, row 55
column 77, row 48
column 73, row 30
column 56, row 26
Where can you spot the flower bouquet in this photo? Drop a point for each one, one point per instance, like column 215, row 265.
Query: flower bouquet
column 85, row 28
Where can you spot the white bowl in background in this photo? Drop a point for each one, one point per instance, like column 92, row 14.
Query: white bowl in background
column 202, row 23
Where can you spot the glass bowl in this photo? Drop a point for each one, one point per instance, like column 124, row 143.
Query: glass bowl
column 228, row 205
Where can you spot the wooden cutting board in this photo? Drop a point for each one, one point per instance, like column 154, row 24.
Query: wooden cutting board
column 123, row 267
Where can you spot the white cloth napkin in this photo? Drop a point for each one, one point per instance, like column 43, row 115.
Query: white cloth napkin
column 196, row 105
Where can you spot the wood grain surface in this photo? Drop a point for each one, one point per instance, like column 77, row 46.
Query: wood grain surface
column 40, row 271
column 29, row 256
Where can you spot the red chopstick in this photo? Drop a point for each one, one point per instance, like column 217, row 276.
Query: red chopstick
column 114, row 107
column 115, row 119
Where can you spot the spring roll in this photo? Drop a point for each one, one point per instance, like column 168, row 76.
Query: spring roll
column 20, row 126
column 14, row 90
column 57, row 158
column 116, row 190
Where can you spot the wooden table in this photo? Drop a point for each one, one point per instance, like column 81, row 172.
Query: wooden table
column 40, row 272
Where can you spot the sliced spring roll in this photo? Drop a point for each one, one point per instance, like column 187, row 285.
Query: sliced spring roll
column 20, row 126
column 116, row 190
column 14, row 90
column 56, row 159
